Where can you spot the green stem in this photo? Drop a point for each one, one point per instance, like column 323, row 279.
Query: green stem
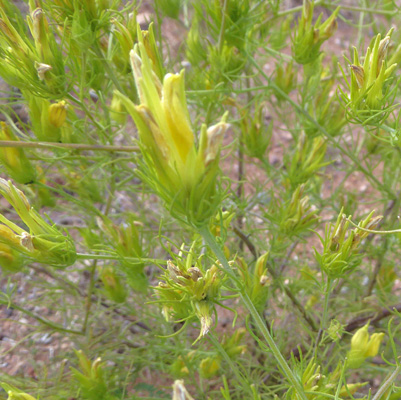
column 260, row 324
column 108, row 69
column 230, row 362
column 323, row 321
column 360, row 9
column 332, row 5
column 91, row 286
column 84, row 256
column 220, row 42
column 360, row 25
column 38, row 318
column 386, row 385
column 68, row 146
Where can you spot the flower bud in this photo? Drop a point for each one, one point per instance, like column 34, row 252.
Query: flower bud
column 203, row 311
column 10, row 260
column 113, row 286
column 351, row 388
column 15, row 394
column 363, row 346
column 256, row 133
column 297, row 215
column 183, row 175
column 260, row 266
column 335, row 330
column 91, row 376
column 19, row 396
column 367, row 101
column 359, row 75
column 152, row 51
column 374, row 344
column 214, row 139
column 44, row 243
column 58, row 114
column 286, row 79
column 117, row 110
column 40, row 33
column 231, row 344
column 126, row 38
column 308, row 38
column 14, row 159
column 209, row 367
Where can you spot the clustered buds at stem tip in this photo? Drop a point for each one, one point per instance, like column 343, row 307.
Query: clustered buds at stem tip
column 369, row 99
column 308, row 38
column 340, row 245
column 187, row 291
column 43, row 242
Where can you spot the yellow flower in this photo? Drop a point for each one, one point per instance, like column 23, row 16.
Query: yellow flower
column 14, row 159
column 183, row 174
column 363, row 346
column 58, row 114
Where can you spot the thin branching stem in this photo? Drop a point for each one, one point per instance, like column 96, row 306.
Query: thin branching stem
column 260, row 324
column 69, row 146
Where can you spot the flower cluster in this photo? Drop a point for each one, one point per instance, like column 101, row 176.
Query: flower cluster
column 363, row 346
column 370, row 91
column 188, row 292
column 309, row 37
column 43, row 243
column 340, row 245
column 181, row 173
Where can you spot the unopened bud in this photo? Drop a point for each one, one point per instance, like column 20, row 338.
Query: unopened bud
column 209, row 367
column 117, row 110
column 374, row 344
column 363, row 347
column 359, row 74
column 37, row 17
column 14, row 159
column 330, row 28
column 307, row 10
column 58, row 114
column 383, row 46
column 214, row 138
column 260, row 266
column 19, row 396
column 113, row 286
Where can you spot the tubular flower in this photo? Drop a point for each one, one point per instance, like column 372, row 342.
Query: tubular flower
column 363, row 346
column 181, row 173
